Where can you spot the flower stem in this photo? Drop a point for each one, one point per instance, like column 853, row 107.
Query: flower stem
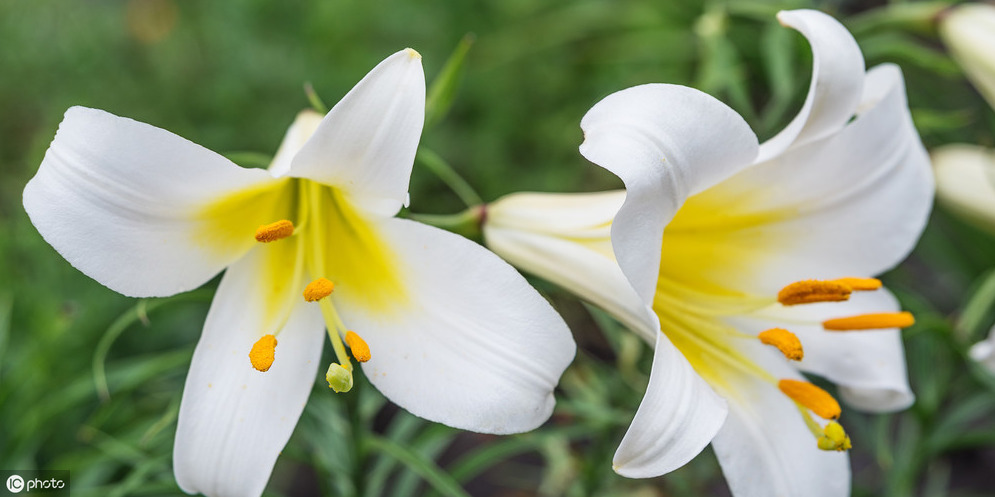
column 438, row 166
column 468, row 223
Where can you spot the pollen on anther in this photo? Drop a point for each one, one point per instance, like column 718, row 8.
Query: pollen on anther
column 878, row 321
column 274, row 231
column 810, row 291
column 785, row 341
column 263, row 353
column 360, row 349
column 860, row 284
column 318, row 289
column 812, row 397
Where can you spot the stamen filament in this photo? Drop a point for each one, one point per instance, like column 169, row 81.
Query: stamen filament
column 274, row 231
column 814, row 398
column 811, row 291
column 785, row 341
column 332, row 324
column 883, row 320
column 263, row 353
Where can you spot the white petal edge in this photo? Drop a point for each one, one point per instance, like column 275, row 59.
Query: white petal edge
column 852, row 204
column 565, row 239
column 117, row 199
column 678, row 416
column 766, row 450
column 234, row 420
column 304, row 125
column 477, row 349
column 965, row 181
column 365, row 146
column 837, row 78
column 665, row 142
column 869, row 366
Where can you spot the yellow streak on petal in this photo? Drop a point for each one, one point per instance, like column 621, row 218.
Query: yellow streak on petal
column 810, row 291
column 876, row 321
column 360, row 349
column 860, row 284
column 274, row 231
column 263, row 353
column 715, row 242
column 353, row 253
column 228, row 224
column 812, row 397
column 785, row 341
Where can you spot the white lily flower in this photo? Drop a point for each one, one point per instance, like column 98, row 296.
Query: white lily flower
column 719, row 237
column 984, row 351
column 566, row 239
column 965, row 182
column 968, row 30
column 448, row 330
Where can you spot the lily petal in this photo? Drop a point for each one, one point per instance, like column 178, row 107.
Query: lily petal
column 968, row 30
column 837, row 77
column 119, row 200
column 475, row 348
column 666, row 143
column 366, row 144
column 868, row 365
column 766, row 450
column 677, row 418
column 868, row 189
column 965, row 181
column 303, row 127
column 565, row 239
column 984, row 351
column 234, row 420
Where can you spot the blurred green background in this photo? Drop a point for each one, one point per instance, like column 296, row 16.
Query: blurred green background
column 90, row 381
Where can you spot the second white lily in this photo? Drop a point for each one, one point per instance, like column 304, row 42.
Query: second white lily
column 717, row 239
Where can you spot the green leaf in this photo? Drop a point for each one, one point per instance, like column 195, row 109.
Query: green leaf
column 442, row 92
column 978, row 310
column 438, row 166
column 426, row 468
column 137, row 313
